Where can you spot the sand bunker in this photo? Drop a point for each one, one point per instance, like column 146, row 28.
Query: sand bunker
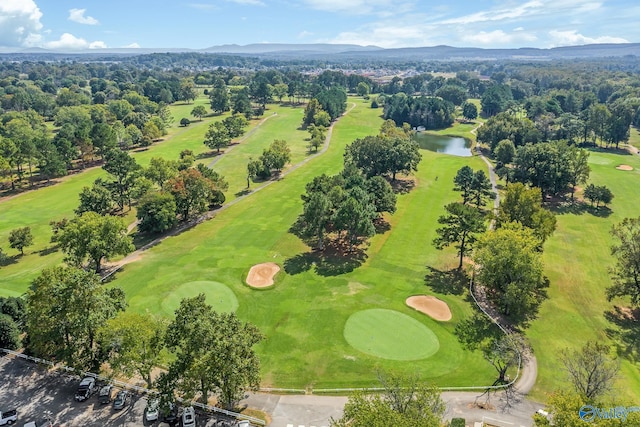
column 261, row 275
column 624, row 168
column 430, row 306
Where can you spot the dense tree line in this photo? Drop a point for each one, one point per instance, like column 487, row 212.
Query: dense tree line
column 429, row 112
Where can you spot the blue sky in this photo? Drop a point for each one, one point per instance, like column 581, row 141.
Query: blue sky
column 197, row 24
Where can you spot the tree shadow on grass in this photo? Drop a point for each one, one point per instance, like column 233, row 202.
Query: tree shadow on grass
column 446, row 282
column 626, row 335
column 48, row 250
column 334, row 260
column 579, row 208
column 402, row 186
column 6, row 260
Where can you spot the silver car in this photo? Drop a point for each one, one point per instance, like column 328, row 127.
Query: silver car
column 152, row 412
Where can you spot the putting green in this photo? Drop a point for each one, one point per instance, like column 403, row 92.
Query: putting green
column 219, row 296
column 389, row 334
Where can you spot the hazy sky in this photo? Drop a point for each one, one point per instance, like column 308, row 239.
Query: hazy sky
column 76, row 24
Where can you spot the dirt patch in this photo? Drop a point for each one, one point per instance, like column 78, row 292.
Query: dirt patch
column 624, row 168
column 261, row 275
column 431, row 306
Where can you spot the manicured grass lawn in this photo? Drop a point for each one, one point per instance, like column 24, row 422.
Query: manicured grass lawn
column 389, row 334
column 37, row 208
column 304, row 315
column 576, row 260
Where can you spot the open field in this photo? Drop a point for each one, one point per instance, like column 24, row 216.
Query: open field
column 304, row 315
column 576, row 260
column 36, row 208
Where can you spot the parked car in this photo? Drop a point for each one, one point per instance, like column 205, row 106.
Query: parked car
column 243, row 423
column 121, row 399
column 189, row 417
column 31, row 424
column 85, row 389
column 152, row 412
column 8, row 417
column 170, row 413
column 105, row 394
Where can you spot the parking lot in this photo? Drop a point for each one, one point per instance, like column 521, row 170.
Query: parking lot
column 33, row 390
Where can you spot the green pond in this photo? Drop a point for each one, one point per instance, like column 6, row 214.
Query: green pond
column 453, row 145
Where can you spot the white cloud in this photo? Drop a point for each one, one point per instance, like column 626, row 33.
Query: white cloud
column 77, row 15
column 70, row 42
column 572, row 38
column 387, row 36
column 19, row 23
column 497, row 14
column 248, row 2
column 132, row 46
column 303, row 34
column 360, row 7
column 499, row 37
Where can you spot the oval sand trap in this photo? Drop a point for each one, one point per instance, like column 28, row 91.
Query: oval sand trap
column 389, row 334
column 261, row 275
column 624, row 168
column 431, row 306
column 218, row 295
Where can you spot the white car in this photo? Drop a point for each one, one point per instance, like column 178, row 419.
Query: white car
column 31, row 424
column 189, row 417
column 153, row 410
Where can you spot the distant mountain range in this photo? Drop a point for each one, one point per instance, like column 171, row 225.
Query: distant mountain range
column 342, row 52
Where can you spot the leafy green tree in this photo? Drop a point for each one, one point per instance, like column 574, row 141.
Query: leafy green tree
column 355, row 216
column 103, row 138
column 184, row 122
column 579, row 169
column 383, row 197
column 524, row 205
column 455, row 94
column 495, row 99
column 20, row 238
column 217, row 136
column 9, row 333
column 191, row 191
column 187, row 91
column 235, row 125
column 318, row 136
column 123, row 171
column 469, row 111
column 463, row 182
column 96, row 198
column 199, row 111
column 213, row 352
column 241, row 103
column 134, row 343
column 461, row 224
column 598, row 194
column 504, row 152
column 381, row 155
column 317, row 214
column 510, row 267
column 276, row 156
column 625, row 273
column 156, row 212
column 66, row 307
column 254, row 167
column 363, row 89
column 405, row 402
column 219, row 97
column 481, row 189
column 590, row 370
column 280, row 90
column 310, row 111
column 161, row 170
column 260, row 90
column 95, row 237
